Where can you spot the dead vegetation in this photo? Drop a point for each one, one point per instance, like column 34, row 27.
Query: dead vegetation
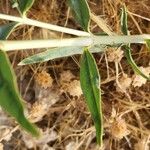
column 52, row 91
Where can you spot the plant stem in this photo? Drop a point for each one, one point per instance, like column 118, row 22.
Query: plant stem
column 120, row 39
column 31, row 44
column 36, row 23
column 81, row 41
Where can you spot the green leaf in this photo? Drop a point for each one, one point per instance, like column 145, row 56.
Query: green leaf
column 81, row 12
column 148, row 44
column 124, row 24
column 57, row 53
column 10, row 99
column 23, row 5
column 132, row 63
column 127, row 48
column 51, row 54
column 90, row 84
column 5, row 30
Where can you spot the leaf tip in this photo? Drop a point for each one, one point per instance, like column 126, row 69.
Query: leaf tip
column 21, row 63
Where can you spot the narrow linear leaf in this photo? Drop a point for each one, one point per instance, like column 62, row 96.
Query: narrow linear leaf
column 51, row 54
column 148, row 44
column 23, row 5
column 5, row 30
column 127, row 48
column 81, row 12
column 90, row 84
column 10, row 99
column 132, row 63
column 124, row 24
column 57, row 53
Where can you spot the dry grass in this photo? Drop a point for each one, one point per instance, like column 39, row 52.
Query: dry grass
column 65, row 121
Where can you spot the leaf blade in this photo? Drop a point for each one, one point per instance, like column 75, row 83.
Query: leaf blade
column 90, row 84
column 81, row 12
column 51, row 54
column 124, row 28
column 148, row 44
column 10, row 98
column 5, row 30
column 56, row 53
column 132, row 62
column 23, row 5
column 124, row 24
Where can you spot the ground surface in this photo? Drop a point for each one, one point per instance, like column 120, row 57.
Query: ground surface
column 52, row 91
